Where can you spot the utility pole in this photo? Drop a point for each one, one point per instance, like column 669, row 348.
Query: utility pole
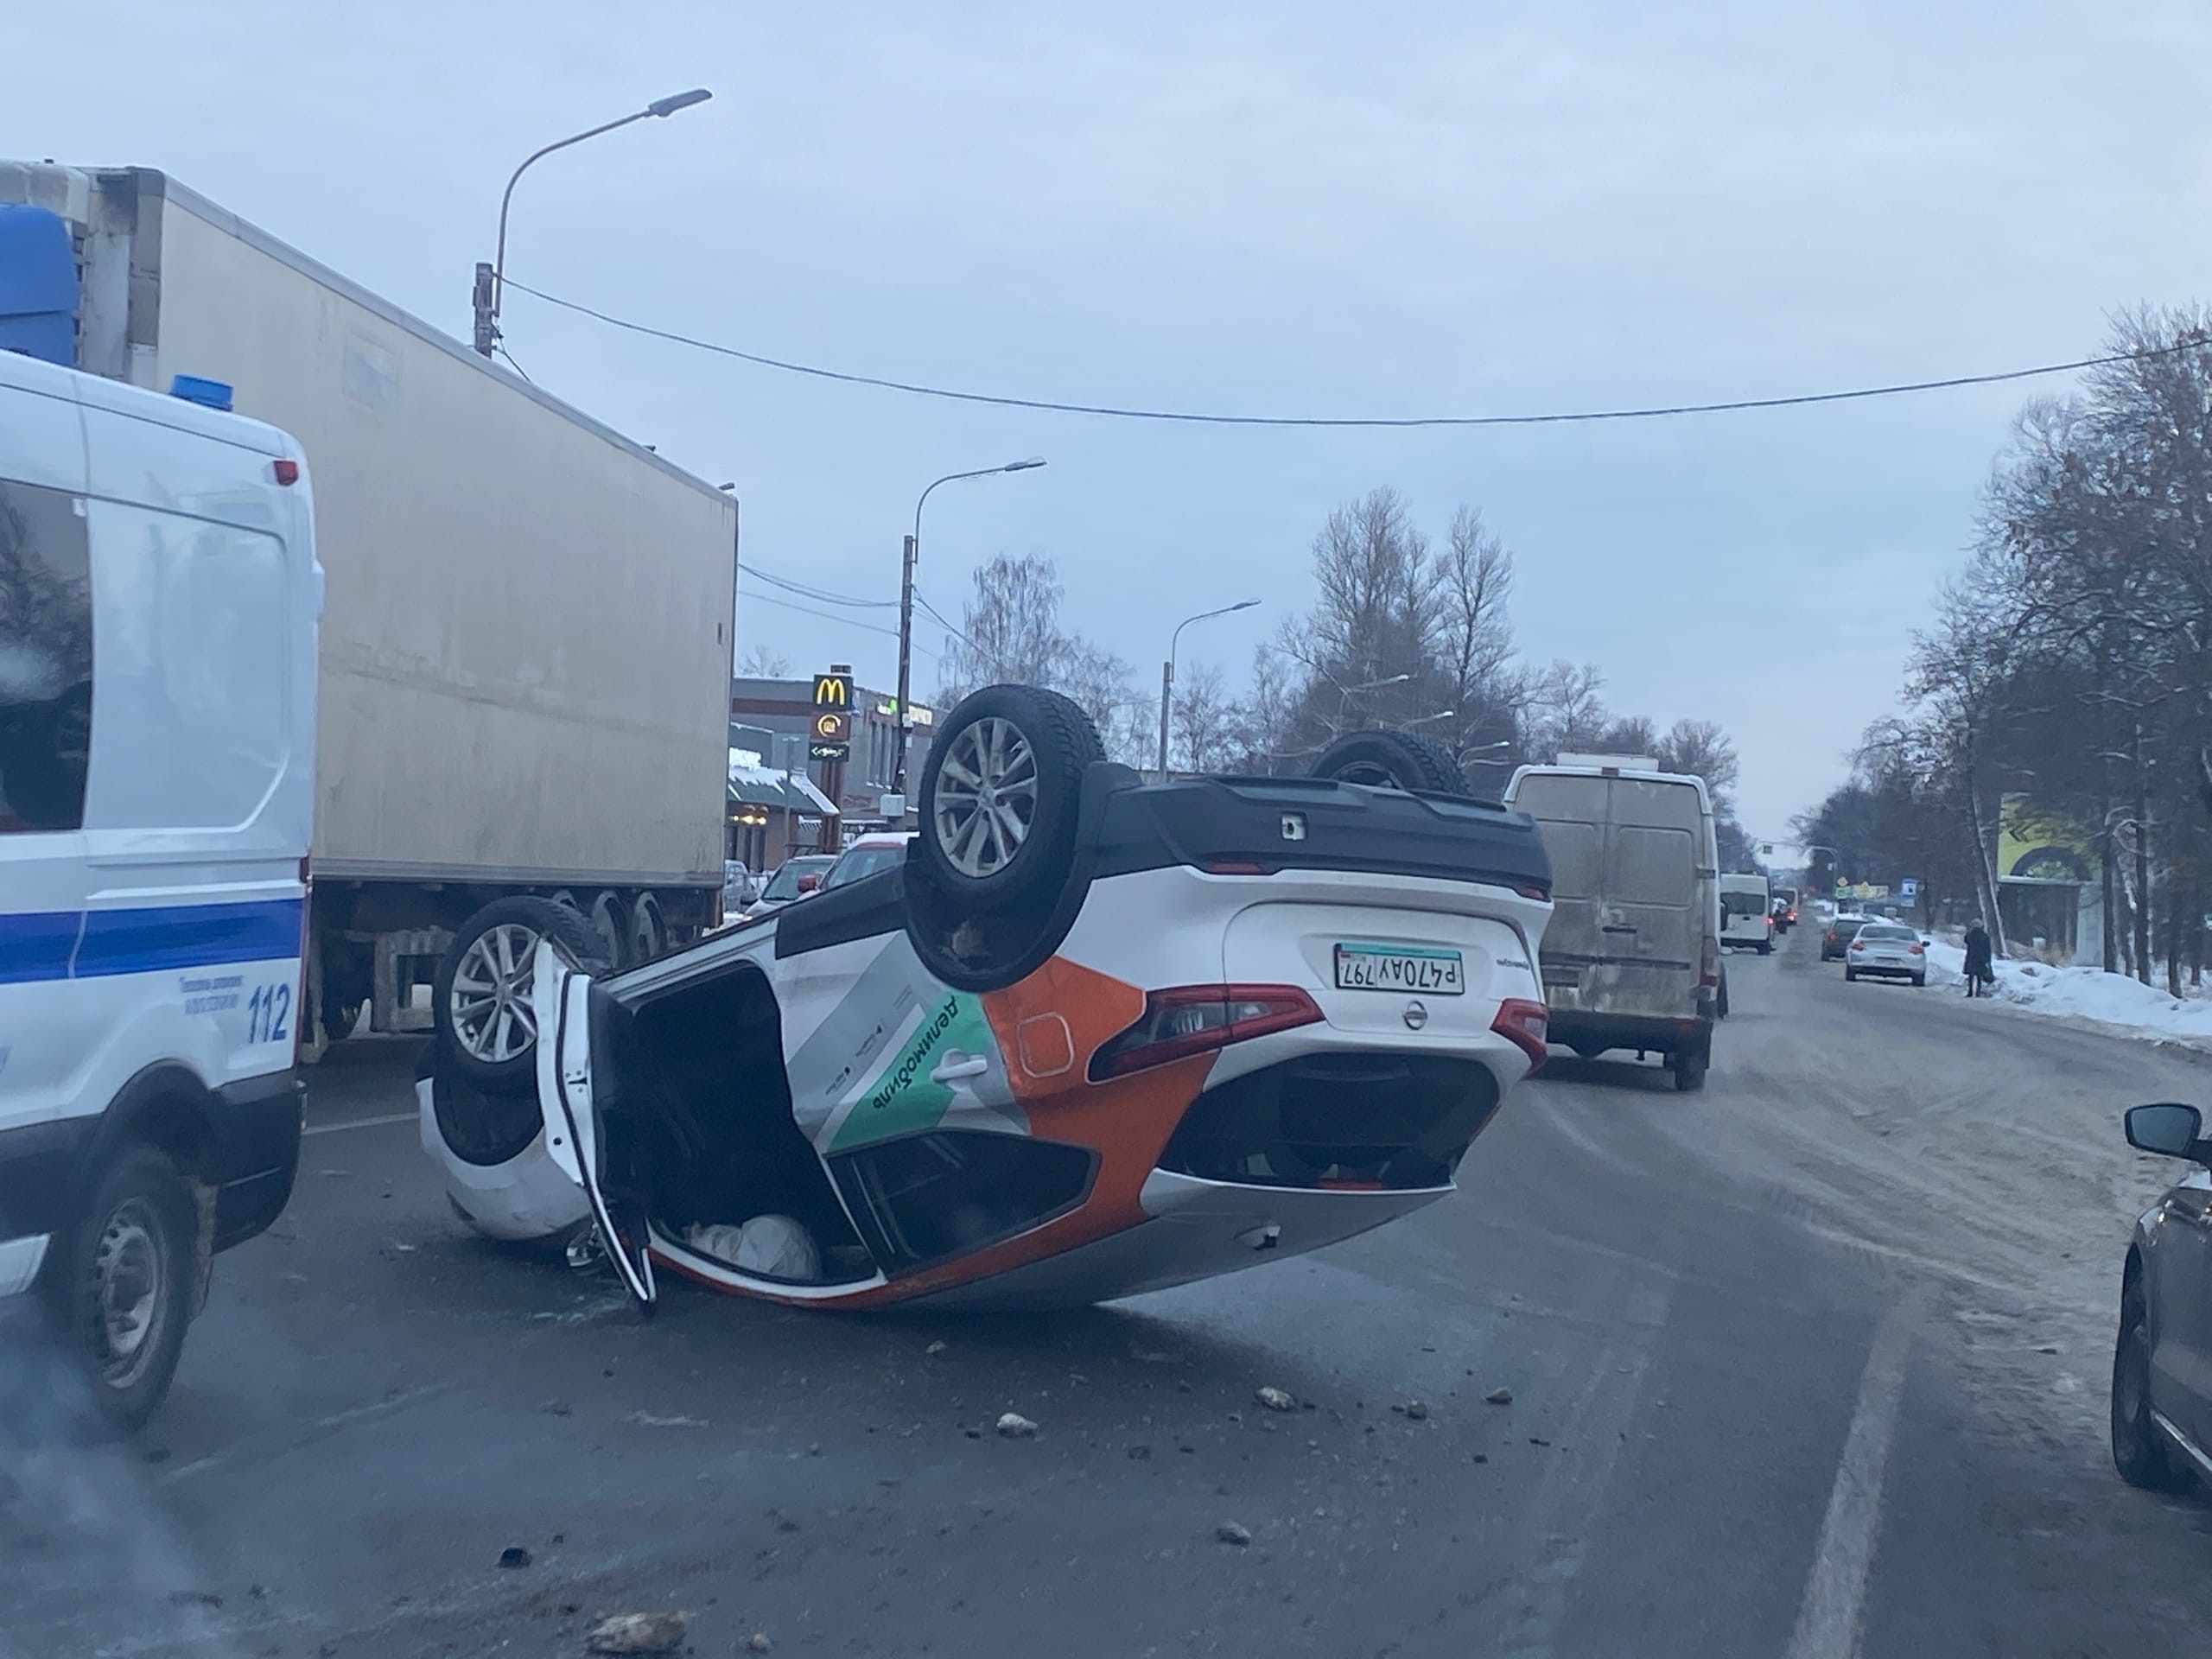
column 903, row 734
column 906, row 609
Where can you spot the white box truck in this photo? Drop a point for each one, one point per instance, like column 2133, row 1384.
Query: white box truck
column 525, row 648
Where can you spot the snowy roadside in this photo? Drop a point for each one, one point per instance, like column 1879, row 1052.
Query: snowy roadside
column 2110, row 1003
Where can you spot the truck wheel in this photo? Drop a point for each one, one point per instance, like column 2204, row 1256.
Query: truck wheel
column 611, row 920
column 1000, row 795
column 648, row 934
column 481, row 996
column 121, row 1284
column 2140, row 1450
column 1392, row 760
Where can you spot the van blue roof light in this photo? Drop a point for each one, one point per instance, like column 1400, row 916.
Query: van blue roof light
column 213, row 394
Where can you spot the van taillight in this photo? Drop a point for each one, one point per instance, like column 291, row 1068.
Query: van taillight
column 288, row 471
column 1198, row 1019
column 1709, row 964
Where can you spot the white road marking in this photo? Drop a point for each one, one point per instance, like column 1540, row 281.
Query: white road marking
column 361, row 1123
column 1835, row 1594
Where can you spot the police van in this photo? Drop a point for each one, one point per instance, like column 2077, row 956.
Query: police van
column 159, row 594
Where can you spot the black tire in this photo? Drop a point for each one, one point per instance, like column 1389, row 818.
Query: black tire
column 2140, row 1450
column 1766, row 947
column 1690, row 1067
column 1381, row 760
column 1588, row 1051
column 137, row 1232
column 1720, row 1002
column 648, row 934
column 1060, row 742
column 1850, row 974
column 510, row 1064
column 611, row 916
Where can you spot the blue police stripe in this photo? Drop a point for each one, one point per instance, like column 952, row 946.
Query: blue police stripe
column 147, row 940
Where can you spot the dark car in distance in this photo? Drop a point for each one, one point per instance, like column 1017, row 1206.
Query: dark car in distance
column 1835, row 943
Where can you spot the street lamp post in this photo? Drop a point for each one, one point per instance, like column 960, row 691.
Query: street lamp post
column 491, row 279
column 1168, row 671
column 913, row 552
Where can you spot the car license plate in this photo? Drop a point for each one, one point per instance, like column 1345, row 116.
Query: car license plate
column 1399, row 968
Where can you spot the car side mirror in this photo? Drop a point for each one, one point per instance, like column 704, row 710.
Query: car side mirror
column 2169, row 1128
column 809, row 883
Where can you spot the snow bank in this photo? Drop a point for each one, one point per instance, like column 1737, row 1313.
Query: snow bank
column 2084, row 994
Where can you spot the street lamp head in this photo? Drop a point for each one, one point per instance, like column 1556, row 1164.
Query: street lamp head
column 1023, row 466
column 1244, row 604
column 676, row 101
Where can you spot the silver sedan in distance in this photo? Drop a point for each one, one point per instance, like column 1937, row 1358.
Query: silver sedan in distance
column 1887, row 951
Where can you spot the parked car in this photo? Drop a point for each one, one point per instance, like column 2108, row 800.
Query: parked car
column 1088, row 1036
column 869, row 854
column 795, row 877
column 1887, row 951
column 740, row 886
column 2161, row 1391
column 1842, row 928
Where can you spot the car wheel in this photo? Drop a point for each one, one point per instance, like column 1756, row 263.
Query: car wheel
column 1849, row 975
column 1766, row 947
column 1720, row 1009
column 2140, row 1450
column 1920, row 981
column 1406, row 760
column 480, row 1000
column 1000, row 795
column 122, row 1280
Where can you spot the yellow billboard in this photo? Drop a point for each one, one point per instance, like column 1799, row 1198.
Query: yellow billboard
column 2037, row 845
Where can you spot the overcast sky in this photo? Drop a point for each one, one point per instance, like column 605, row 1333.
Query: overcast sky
column 1287, row 207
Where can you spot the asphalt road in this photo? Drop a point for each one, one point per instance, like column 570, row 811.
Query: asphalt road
column 1806, row 1365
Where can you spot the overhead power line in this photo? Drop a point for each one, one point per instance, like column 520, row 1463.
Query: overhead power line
column 822, row 594
column 1205, row 417
column 948, row 627
column 827, row 616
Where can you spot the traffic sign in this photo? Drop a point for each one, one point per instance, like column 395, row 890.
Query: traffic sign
column 1909, row 890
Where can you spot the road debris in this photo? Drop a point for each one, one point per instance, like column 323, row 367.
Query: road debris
column 627, row 1635
column 646, row 1419
column 1499, row 1396
column 513, row 1556
column 1415, row 1410
column 1230, row 1533
column 1013, row 1425
column 934, row 1348
column 756, row 1642
column 1276, row 1399
column 1139, row 1452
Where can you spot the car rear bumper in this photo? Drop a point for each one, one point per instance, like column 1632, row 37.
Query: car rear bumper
column 254, row 1153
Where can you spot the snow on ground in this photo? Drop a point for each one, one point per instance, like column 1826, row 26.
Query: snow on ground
column 2083, row 994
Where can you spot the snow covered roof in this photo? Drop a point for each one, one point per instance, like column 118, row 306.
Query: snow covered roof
column 758, row 785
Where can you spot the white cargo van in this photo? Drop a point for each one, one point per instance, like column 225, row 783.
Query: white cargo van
column 1747, row 914
column 1631, row 958
column 158, row 598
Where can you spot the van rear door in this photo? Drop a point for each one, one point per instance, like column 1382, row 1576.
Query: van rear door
column 1651, row 924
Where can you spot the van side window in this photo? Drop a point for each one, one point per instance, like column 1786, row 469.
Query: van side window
column 46, row 658
column 194, row 669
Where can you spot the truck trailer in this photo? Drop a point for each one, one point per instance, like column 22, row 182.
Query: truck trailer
column 525, row 650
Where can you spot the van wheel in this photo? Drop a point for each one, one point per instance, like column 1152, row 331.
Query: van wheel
column 1000, row 795
column 1380, row 759
column 481, row 996
column 1690, row 1067
column 121, row 1285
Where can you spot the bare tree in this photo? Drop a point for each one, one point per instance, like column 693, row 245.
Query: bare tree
column 1631, row 735
column 1567, row 713
column 1700, row 749
column 762, row 661
column 1010, row 628
column 1201, row 721
column 1105, row 685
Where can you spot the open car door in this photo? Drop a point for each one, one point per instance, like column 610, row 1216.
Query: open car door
column 560, row 997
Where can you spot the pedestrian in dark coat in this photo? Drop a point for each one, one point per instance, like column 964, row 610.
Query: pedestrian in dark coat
column 1979, row 971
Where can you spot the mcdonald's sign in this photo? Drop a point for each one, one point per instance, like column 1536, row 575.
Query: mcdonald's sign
column 832, row 729
column 833, row 690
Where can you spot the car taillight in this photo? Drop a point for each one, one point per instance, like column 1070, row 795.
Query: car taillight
column 1856, row 946
column 1196, row 1019
column 1916, row 951
column 1523, row 1024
